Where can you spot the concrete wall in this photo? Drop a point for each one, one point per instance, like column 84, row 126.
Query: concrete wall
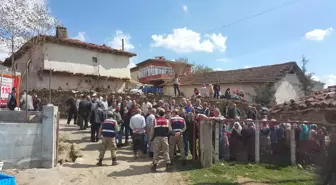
column 29, row 144
column 288, row 88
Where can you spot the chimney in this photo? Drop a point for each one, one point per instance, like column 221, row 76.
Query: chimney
column 61, row 32
column 122, row 44
column 160, row 58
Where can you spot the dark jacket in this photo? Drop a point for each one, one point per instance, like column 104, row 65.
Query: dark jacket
column 84, row 108
column 71, row 103
column 216, row 87
column 98, row 115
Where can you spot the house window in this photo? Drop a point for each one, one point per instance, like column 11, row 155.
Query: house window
column 94, row 60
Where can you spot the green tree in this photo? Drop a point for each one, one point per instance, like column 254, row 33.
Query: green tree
column 307, row 83
column 196, row 68
column 263, row 94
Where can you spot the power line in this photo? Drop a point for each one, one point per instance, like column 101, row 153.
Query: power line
column 247, row 18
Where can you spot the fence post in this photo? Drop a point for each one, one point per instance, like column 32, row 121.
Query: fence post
column 217, row 124
column 293, row 145
column 257, row 141
column 206, row 144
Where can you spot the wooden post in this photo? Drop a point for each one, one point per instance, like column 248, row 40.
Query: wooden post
column 293, row 145
column 217, row 126
column 257, row 141
column 50, row 73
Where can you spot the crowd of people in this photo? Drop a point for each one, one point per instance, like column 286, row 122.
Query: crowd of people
column 168, row 127
column 26, row 101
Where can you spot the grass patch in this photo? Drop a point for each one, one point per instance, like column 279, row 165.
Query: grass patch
column 227, row 173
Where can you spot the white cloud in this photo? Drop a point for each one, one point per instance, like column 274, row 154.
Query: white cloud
column 183, row 40
column 218, row 69
column 245, row 67
column 116, row 42
column 223, row 60
column 81, row 36
column 185, row 8
column 329, row 80
column 318, row 34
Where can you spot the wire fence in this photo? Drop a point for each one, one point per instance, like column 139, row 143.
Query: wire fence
column 259, row 141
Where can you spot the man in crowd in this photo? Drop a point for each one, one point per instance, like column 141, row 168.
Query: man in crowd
column 107, row 129
column 84, row 112
column 216, row 90
column 149, row 124
column 11, row 100
column 178, row 126
column 98, row 115
column 138, row 124
column 159, row 135
column 72, row 110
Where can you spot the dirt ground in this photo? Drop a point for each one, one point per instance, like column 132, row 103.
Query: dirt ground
column 85, row 172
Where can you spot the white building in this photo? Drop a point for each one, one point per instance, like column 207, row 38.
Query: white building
column 72, row 64
column 286, row 79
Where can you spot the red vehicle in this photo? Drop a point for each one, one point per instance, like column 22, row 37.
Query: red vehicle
column 7, row 82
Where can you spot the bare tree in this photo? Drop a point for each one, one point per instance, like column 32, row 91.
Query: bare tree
column 21, row 21
column 196, row 68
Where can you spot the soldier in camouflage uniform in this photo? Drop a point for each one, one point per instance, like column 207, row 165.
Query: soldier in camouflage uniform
column 159, row 134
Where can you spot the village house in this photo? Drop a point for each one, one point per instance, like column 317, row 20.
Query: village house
column 159, row 70
column 319, row 107
column 59, row 62
column 286, row 78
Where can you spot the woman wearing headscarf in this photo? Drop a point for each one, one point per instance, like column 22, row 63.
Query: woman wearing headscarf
column 312, row 138
column 304, row 135
column 248, row 134
column 265, row 140
column 225, row 144
column 322, row 134
column 236, row 139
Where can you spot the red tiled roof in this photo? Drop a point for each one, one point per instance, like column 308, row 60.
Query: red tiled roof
column 262, row 74
column 161, row 61
column 70, row 42
column 325, row 98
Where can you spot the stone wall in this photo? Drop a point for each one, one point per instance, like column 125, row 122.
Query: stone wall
column 59, row 98
column 28, row 144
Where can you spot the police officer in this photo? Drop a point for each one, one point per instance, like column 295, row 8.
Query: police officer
column 108, row 130
column 178, row 127
column 159, row 134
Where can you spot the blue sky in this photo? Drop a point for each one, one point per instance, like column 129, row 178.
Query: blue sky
column 186, row 28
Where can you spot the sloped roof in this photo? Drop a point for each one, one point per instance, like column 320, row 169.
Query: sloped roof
column 161, row 61
column 262, row 74
column 70, row 42
column 325, row 98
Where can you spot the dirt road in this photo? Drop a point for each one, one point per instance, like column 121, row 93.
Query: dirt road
column 85, row 172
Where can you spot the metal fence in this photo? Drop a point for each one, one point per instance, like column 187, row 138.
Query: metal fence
column 258, row 141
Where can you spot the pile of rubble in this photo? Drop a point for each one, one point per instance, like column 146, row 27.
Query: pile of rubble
column 67, row 152
column 325, row 98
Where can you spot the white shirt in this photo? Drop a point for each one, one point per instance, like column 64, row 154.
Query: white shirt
column 29, row 101
column 138, row 124
column 77, row 103
column 204, row 92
